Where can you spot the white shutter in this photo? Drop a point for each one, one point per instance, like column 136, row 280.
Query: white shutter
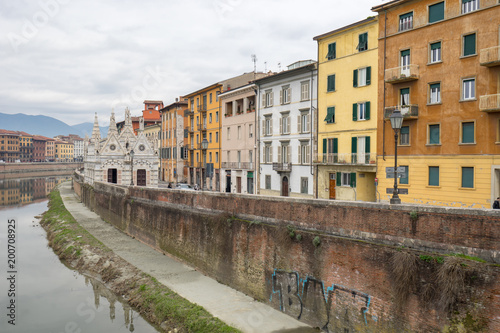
column 308, row 154
column 279, row 154
column 288, row 154
column 263, row 100
column 300, row 154
column 289, row 95
column 271, row 126
column 272, row 99
column 299, row 123
column 308, row 125
column 288, row 122
column 263, row 128
column 281, row 96
column 281, row 125
column 271, row 154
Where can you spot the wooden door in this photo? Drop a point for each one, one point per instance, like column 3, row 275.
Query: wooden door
column 284, row 186
column 238, row 184
column 112, row 176
column 141, row 177
column 333, row 183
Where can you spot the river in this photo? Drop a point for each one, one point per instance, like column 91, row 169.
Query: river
column 38, row 293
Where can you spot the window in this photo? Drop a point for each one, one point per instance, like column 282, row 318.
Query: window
column 404, row 137
column 210, row 115
column 404, row 178
column 362, row 42
column 285, row 95
column 404, row 95
column 210, row 137
column 469, row 45
column 469, row 6
column 216, row 136
column 361, row 111
column 217, row 93
column 284, row 153
column 304, row 91
column 434, row 134
column 436, row 12
column 467, row 177
column 268, row 98
column 229, row 133
column 468, row 89
column 331, row 83
column 267, row 126
column 268, row 153
column 268, row 182
column 210, row 98
column 346, row 179
column 361, row 77
column 360, row 149
column 467, row 132
column 285, row 123
column 210, row 157
column 239, row 132
column 330, row 115
column 332, row 51
column 406, row 21
column 434, row 93
column 217, row 116
column 333, row 150
column 304, row 152
column 304, row 185
column 250, row 130
column 433, row 176
column 303, row 122
column 435, row 52
column 216, row 157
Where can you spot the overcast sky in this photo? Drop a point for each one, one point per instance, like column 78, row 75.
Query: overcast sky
column 70, row 58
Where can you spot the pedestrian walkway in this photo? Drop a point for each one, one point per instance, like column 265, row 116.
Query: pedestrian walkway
column 231, row 306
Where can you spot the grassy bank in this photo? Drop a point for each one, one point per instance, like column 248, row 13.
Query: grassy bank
column 153, row 300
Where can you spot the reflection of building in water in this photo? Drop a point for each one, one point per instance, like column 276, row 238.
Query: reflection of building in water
column 27, row 190
column 100, row 290
column 9, row 192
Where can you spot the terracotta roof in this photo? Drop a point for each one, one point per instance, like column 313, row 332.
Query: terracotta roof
column 3, row 131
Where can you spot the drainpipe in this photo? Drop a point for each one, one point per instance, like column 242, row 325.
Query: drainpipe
column 257, row 139
column 316, row 125
column 383, row 106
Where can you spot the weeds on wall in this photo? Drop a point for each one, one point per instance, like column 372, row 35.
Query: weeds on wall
column 405, row 269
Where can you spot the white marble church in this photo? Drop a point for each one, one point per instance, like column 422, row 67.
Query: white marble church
column 115, row 158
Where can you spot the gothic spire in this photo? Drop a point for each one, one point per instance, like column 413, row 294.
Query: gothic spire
column 96, row 133
column 112, row 124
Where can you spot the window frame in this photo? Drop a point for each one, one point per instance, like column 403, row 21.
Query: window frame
column 429, row 126
column 463, row 6
column 462, row 89
column 407, row 178
column 362, row 47
column 473, row 122
column 462, row 177
column 431, row 59
column 431, row 86
column 303, row 91
column 331, row 53
column 400, row 143
column 330, row 81
column 332, row 120
column 304, row 181
column 434, row 5
column 463, row 50
column 401, row 25
column 435, row 168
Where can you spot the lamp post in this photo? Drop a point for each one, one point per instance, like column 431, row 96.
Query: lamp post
column 396, row 123
column 204, row 146
column 132, row 168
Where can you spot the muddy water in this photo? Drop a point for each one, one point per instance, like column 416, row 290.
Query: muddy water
column 38, row 293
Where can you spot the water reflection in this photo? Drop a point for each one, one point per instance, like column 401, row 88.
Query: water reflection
column 23, row 191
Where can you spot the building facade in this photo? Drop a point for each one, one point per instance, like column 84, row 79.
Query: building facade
column 64, row 151
column 238, row 140
column 286, row 105
column 39, row 148
column 9, row 145
column 347, row 117
column 25, row 147
column 439, row 65
column 173, row 142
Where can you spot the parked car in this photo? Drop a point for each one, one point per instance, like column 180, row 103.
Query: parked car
column 182, row 186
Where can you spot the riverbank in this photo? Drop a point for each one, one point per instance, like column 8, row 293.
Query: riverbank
column 157, row 303
column 22, row 170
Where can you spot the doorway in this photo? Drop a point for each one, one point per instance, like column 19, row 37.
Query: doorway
column 112, row 176
column 333, row 183
column 284, row 186
column 238, row 184
column 141, row 177
column 228, row 184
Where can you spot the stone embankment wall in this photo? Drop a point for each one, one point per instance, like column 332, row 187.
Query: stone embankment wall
column 14, row 170
column 340, row 266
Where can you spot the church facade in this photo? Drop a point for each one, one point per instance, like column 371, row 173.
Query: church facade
column 121, row 158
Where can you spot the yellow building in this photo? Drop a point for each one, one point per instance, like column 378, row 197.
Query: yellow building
column 64, row 151
column 347, row 117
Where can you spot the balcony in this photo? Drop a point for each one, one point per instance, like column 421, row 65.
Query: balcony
column 489, row 103
column 191, row 129
column 347, row 158
column 401, row 74
column 282, row 167
column 408, row 111
column 238, row 165
column 490, row 57
column 202, row 108
column 202, row 127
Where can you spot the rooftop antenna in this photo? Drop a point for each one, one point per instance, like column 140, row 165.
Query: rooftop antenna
column 265, row 66
column 279, row 66
column 254, row 59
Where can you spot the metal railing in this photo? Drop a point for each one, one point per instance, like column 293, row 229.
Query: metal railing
column 282, row 167
column 401, row 74
column 346, row 158
column 238, row 165
column 408, row 111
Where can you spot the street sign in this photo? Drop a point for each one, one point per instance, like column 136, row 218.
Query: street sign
column 391, row 169
column 390, row 190
column 391, row 175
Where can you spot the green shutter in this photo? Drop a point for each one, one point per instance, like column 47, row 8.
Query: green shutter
column 405, row 130
column 468, row 177
column 436, row 46
column 434, row 134
column 367, row 110
column 355, row 78
column 335, row 145
column 435, row 85
column 368, row 75
column 330, row 114
column 331, row 83
column 404, row 180
column 405, row 53
column 339, row 179
column 324, row 146
column 436, row 12
column 331, row 51
column 353, row 179
column 467, row 132
column 367, row 144
column 354, row 145
column 469, row 44
column 402, row 17
column 355, row 112
column 433, row 176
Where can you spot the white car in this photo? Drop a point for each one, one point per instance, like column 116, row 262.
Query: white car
column 182, row 186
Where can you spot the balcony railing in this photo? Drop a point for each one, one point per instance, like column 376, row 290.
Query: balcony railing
column 489, row 103
column 408, row 111
column 490, row 57
column 346, row 158
column 202, row 127
column 401, row 74
column 191, row 129
column 282, row 167
column 238, row 165
column 202, row 108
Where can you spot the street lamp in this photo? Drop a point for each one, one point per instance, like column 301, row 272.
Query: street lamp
column 204, row 146
column 132, row 168
column 396, row 123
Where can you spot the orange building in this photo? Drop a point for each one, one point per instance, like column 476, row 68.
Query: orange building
column 439, row 64
column 173, row 141
column 25, row 147
column 9, row 145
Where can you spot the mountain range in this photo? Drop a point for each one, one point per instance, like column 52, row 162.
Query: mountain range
column 44, row 125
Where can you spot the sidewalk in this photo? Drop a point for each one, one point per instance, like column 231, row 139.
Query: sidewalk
column 231, row 306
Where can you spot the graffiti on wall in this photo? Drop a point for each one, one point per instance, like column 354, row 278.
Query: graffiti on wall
column 332, row 309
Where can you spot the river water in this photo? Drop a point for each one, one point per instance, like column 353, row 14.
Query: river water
column 38, row 293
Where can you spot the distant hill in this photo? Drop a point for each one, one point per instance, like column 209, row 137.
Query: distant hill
column 43, row 125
